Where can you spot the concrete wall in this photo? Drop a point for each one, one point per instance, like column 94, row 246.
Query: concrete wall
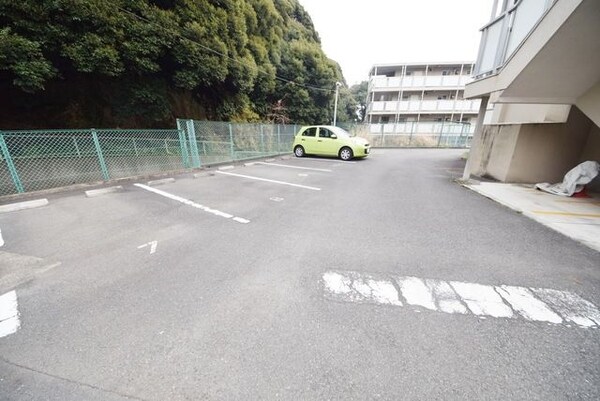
column 529, row 113
column 531, row 153
column 545, row 152
column 491, row 152
column 589, row 103
column 592, row 152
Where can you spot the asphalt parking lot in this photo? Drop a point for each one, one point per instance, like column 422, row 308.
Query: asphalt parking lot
column 216, row 287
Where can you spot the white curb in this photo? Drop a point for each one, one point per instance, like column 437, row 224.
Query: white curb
column 102, row 191
column 160, row 182
column 13, row 207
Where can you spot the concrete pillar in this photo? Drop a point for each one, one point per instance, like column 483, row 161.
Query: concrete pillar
column 475, row 142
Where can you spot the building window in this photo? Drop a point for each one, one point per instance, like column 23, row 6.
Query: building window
column 385, row 119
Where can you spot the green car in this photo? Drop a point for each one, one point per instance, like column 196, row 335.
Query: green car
column 328, row 140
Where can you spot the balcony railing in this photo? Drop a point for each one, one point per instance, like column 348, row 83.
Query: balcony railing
column 420, row 81
column 422, row 127
column 501, row 37
column 427, row 106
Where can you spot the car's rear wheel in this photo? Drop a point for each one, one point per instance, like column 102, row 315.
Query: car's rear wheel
column 346, row 153
column 299, row 151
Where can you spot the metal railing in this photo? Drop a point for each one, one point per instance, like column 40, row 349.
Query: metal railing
column 43, row 159
column 502, row 36
column 418, row 81
column 426, row 106
column 415, row 134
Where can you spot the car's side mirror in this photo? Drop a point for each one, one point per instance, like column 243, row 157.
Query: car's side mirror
column 333, row 136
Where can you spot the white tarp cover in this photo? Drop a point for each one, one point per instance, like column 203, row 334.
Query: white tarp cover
column 574, row 180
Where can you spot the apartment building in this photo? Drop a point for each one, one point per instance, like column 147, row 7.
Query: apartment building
column 420, row 98
column 539, row 70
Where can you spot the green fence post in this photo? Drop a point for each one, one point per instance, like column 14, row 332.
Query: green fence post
column 441, row 132
column 412, row 129
column 185, row 155
column 100, row 155
column 278, row 138
column 183, row 146
column 231, row 149
column 11, row 167
column 193, row 144
column 262, row 140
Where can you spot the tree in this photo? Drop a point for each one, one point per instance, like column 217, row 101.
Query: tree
column 359, row 93
column 145, row 62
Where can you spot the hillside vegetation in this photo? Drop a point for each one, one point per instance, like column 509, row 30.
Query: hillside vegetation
column 143, row 63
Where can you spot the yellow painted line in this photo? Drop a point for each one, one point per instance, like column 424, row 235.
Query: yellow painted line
column 566, row 213
column 582, row 201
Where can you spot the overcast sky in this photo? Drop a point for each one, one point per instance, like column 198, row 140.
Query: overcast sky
column 358, row 34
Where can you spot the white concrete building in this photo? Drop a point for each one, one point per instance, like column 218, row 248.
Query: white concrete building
column 539, row 70
column 420, row 98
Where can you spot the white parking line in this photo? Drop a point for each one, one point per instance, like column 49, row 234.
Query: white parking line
column 533, row 304
column 9, row 314
column 250, row 177
column 296, row 167
column 312, row 159
column 193, row 204
column 1, row 239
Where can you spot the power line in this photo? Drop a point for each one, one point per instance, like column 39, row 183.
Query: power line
column 282, row 79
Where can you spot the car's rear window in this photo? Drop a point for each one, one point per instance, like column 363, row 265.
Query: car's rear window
column 310, row 132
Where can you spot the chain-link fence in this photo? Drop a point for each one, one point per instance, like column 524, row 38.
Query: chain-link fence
column 414, row 134
column 36, row 160
column 214, row 142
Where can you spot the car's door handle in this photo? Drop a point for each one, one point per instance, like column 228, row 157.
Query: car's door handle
column 319, row 140
column 302, row 140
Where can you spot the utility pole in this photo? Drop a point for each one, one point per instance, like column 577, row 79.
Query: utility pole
column 337, row 92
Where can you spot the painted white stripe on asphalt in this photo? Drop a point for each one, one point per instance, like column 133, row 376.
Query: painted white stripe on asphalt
column 323, row 160
column 1, row 239
column 326, row 170
column 416, row 292
column 362, row 289
column 533, row 304
column 9, row 314
column 482, row 299
column 571, row 306
column 193, row 204
column 251, row 177
column 523, row 301
column 336, row 283
column 447, row 299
